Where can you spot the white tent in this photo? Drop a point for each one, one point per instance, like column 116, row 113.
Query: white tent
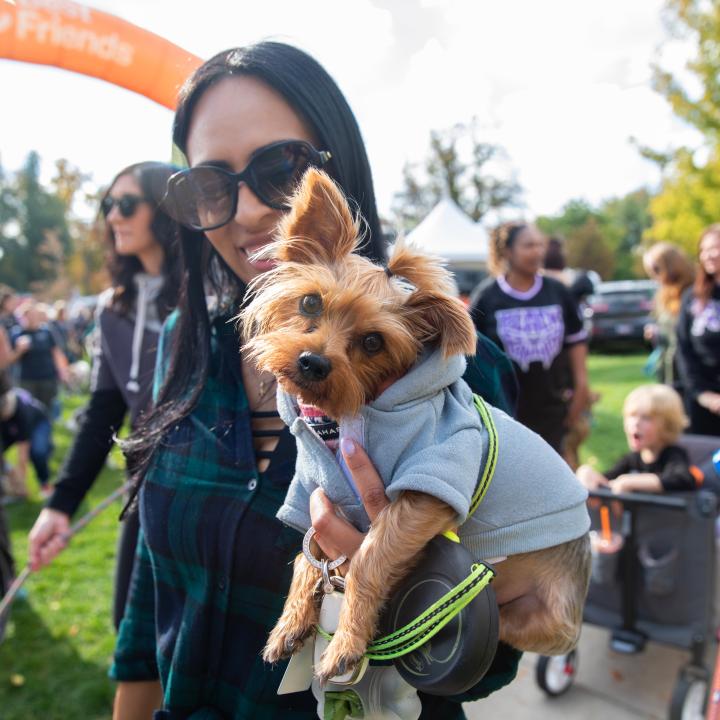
column 449, row 233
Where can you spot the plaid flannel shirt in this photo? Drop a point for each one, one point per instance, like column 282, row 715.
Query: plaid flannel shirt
column 214, row 564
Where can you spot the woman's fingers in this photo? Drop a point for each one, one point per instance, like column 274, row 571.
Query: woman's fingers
column 367, row 481
column 335, row 535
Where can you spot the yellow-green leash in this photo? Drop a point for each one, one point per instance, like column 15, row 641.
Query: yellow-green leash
column 442, row 611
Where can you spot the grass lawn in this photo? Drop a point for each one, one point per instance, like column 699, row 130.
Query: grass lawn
column 613, row 376
column 54, row 660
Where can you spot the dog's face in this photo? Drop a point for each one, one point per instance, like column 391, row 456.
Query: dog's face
column 334, row 327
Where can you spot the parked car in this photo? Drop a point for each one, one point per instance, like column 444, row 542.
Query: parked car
column 619, row 310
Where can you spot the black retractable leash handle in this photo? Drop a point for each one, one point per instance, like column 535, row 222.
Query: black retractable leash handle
column 458, row 656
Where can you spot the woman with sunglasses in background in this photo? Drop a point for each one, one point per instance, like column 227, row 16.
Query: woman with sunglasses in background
column 143, row 266
column 214, row 460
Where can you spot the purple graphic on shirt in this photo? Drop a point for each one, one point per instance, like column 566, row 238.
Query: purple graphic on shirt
column 706, row 319
column 531, row 334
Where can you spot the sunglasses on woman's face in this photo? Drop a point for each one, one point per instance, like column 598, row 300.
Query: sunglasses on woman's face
column 127, row 204
column 205, row 197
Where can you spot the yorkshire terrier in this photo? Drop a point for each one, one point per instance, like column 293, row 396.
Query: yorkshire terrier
column 380, row 351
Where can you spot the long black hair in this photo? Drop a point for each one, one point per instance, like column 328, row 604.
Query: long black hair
column 152, row 178
column 315, row 96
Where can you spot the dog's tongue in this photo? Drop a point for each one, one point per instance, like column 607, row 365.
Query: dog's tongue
column 326, row 428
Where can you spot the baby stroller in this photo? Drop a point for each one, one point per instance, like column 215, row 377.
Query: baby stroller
column 657, row 583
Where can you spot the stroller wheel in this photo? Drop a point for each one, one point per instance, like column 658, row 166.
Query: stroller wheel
column 555, row 675
column 688, row 698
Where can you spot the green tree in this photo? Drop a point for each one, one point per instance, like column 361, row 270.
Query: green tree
column 687, row 201
column 617, row 225
column 588, row 248
column 625, row 220
column 67, row 182
column 698, row 20
column 574, row 214
column 36, row 238
column 458, row 166
column 10, row 252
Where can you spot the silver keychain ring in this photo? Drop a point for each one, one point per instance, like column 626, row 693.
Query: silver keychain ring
column 327, row 581
column 331, row 564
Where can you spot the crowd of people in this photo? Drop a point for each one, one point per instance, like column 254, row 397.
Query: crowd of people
column 40, row 352
column 203, row 564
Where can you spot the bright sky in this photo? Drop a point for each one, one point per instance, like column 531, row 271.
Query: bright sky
column 562, row 85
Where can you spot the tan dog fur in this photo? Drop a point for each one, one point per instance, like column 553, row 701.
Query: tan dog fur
column 541, row 593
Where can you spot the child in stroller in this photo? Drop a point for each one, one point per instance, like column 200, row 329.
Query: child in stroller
column 653, row 419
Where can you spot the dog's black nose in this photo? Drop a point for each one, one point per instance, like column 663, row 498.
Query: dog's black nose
column 314, row 367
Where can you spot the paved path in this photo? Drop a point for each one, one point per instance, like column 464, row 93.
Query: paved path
column 608, row 686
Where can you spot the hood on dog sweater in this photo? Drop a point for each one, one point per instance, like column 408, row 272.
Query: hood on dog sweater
column 424, row 433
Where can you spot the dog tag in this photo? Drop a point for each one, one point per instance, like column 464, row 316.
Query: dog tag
column 329, row 617
column 299, row 672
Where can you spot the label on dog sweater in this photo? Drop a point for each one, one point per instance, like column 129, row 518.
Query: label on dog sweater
column 330, row 432
column 323, row 426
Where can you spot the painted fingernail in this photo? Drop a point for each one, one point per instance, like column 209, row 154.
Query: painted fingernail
column 347, row 446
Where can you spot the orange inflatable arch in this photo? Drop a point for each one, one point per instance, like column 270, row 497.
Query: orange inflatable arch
column 67, row 35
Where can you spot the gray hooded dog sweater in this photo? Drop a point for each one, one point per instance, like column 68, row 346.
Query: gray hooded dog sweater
column 424, row 433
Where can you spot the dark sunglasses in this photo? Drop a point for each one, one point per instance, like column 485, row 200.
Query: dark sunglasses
column 205, row 197
column 127, row 205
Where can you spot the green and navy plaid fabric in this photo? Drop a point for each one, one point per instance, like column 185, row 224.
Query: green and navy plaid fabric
column 214, row 564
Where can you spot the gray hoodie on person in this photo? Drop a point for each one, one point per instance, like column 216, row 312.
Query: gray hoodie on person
column 424, row 433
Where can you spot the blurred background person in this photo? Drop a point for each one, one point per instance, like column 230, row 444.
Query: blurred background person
column 8, row 304
column 24, row 422
column 143, row 265
column 535, row 320
column 672, row 269
column 698, row 333
column 578, row 281
column 63, row 330
column 42, row 363
column 581, row 286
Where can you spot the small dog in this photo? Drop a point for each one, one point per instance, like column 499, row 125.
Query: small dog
column 341, row 334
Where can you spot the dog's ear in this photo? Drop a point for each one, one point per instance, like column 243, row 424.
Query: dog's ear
column 320, row 225
column 437, row 315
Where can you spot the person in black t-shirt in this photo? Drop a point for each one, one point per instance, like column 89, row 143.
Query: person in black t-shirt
column 42, row 362
column 537, row 323
column 653, row 418
column 698, row 334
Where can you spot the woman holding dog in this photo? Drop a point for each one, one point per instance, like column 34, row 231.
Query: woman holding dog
column 535, row 320
column 213, row 459
column 143, row 267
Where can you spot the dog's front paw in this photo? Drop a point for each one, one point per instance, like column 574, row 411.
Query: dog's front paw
column 340, row 657
column 282, row 643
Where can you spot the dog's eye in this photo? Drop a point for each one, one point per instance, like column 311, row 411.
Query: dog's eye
column 373, row 343
column 311, row 305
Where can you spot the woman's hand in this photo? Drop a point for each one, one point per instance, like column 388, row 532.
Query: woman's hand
column 335, row 535
column 47, row 537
